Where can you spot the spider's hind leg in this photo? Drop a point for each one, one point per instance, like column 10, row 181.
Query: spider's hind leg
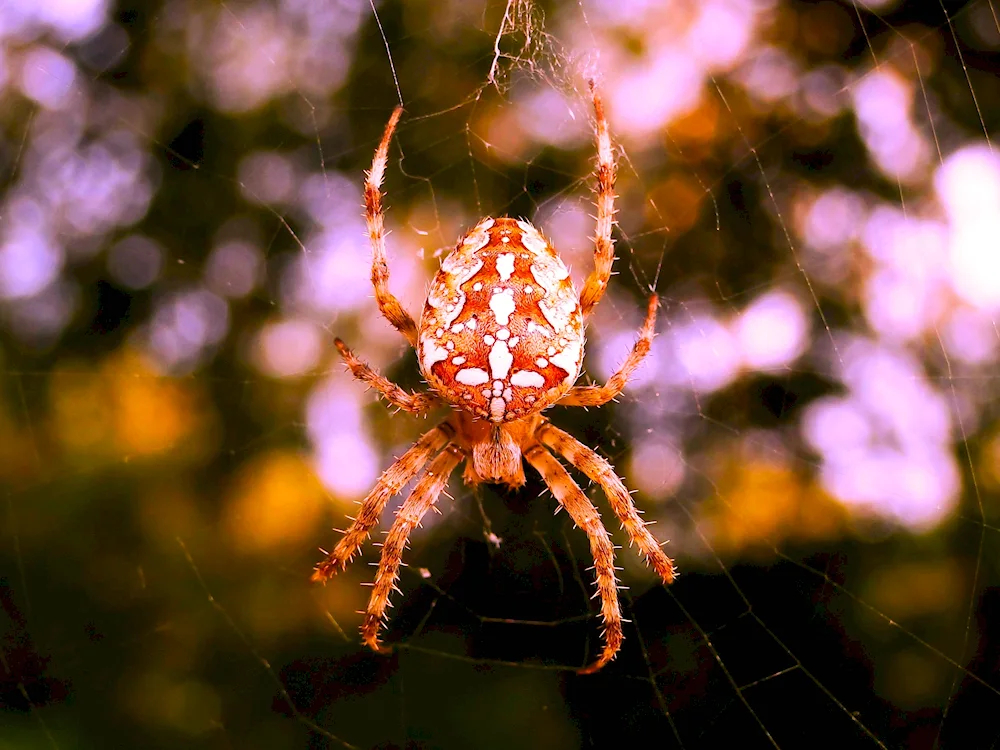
column 599, row 470
column 425, row 494
column 389, row 484
column 585, row 515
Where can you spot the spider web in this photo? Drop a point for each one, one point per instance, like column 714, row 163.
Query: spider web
column 811, row 190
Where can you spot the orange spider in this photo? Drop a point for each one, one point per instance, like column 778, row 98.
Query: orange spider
column 500, row 340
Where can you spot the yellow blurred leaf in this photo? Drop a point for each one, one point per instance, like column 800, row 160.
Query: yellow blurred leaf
column 152, row 413
column 675, row 202
column 698, row 126
column 79, row 408
column 18, row 448
column 761, row 503
column 189, row 706
column 124, row 408
column 912, row 589
column 911, row 679
column 276, row 500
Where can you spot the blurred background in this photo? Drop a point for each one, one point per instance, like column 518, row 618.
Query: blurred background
column 813, row 189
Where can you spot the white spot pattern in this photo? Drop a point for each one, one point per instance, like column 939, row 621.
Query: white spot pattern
column 558, row 314
column 531, row 238
column 569, row 360
column 505, row 265
column 472, row 376
column 433, row 352
column 502, row 305
column 527, row 379
column 549, row 273
column 478, row 237
column 497, row 407
column 500, row 360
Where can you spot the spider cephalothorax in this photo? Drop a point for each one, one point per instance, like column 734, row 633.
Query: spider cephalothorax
column 500, row 340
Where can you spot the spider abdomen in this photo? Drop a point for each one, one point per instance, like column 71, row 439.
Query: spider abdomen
column 501, row 334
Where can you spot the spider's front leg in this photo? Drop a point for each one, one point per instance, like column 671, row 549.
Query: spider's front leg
column 391, row 307
column 585, row 515
column 408, row 517
column 604, row 245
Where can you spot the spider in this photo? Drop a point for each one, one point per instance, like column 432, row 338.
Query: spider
column 500, row 340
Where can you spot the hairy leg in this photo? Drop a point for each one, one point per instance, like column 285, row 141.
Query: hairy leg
column 585, row 515
column 600, row 471
column 598, row 395
column 415, row 403
column 421, row 500
column 387, row 302
column 389, row 484
column 604, row 245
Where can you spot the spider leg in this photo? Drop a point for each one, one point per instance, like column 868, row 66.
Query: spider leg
column 389, row 484
column 415, row 403
column 597, row 395
column 422, row 499
column 600, row 471
column 374, row 217
column 585, row 515
column 604, row 245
